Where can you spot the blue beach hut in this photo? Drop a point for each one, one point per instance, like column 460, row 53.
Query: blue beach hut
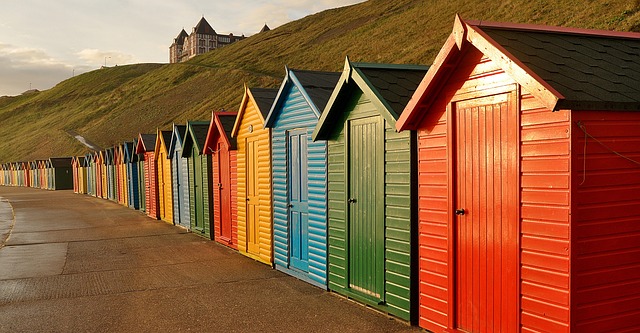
column 179, row 178
column 299, row 175
column 131, row 163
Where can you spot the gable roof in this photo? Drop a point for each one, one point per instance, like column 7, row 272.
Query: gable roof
column 128, row 151
column 203, row 27
column 315, row 87
column 265, row 28
column 177, row 135
column 221, row 122
column 564, row 68
column 146, row 143
column 181, row 36
column 162, row 138
column 388, row 86
column 196, row 134
column 108, row 155
column 261, row 97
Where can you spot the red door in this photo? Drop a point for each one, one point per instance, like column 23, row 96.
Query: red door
column 486, row 214
column 224, row 194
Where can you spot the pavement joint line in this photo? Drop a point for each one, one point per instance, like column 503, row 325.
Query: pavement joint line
column 85, row 240
column 13, row 223
column 127, row 269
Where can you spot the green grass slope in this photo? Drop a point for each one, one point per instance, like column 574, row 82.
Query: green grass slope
column 111, row 105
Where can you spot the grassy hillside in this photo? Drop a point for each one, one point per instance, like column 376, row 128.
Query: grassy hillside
column 111, row 105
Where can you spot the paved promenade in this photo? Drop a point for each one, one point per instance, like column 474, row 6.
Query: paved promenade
column 73, row 263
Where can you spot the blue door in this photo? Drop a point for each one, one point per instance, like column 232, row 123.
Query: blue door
column 298, row 200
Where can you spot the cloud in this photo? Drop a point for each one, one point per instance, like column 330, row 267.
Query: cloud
column 102, row 57
column 25, row 68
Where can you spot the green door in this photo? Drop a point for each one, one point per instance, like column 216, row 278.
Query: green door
column 198, row 198
column 365, row 203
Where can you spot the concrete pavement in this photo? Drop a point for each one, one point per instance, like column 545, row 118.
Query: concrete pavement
column 73, row 263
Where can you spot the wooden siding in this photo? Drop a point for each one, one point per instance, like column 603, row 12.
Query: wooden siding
column 296, row 113
column 605, row 230
column 232, row 156
column 142, row 176
column 263, row 137
column 151, row 186
column 544, row 218
column 132, row 185
column 397, row 213
column 180, row 182
column 165, row 197
column 544, row 207
column 200, row 181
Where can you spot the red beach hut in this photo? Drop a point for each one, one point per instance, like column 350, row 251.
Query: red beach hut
column 529, row 185
column 223, row 149
column 146, row 146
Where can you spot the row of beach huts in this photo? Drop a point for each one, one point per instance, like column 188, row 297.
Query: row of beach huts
column 497, row 190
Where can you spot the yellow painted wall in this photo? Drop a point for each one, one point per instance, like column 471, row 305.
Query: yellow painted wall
column 165, row 197
column 262, row 249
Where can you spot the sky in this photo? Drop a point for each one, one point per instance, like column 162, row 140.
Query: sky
column 43, row 42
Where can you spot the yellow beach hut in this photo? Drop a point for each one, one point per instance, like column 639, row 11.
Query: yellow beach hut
column 254, row 174
column 163, row 167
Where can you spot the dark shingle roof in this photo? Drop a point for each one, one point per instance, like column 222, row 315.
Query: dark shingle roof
column 149, row 141
column 227, row 121
column 318, row 85
column 200, row 133
column 264, row 98
column 203, row 27
column 591, row 71
column 181, row 36
column 166, row 136
column 396, row 86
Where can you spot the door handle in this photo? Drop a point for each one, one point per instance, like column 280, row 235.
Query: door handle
column 352, row 200
column 247, row 199
column 460, row 211
column 290, row 205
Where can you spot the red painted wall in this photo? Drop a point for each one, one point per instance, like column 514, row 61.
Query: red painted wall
column 229, row 218
column 605, row 228
column 543, row 224
column 151, row 190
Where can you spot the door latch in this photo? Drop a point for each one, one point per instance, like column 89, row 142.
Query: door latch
column 352, row 200
column 459, row 211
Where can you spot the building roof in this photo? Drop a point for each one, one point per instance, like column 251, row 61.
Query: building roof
column 585, row 69
column 196, row 134
column 564, row 68
column 221, row 122
column 146, row 143
column 316, row 87
column 264, row 98
column 181, row 36
column 265, row 28
column 203, row 27
column 389, row 86
column 177, row 136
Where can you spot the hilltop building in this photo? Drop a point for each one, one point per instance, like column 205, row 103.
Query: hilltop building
column 201, row 40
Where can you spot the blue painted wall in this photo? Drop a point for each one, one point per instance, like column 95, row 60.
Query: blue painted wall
column 180, row 182
column 296, row 113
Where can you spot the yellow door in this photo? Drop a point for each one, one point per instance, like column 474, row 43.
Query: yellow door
column 253, row 196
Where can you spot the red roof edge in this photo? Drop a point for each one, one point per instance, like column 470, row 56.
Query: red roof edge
column 556, row 29
column 215, row 123
column 409, row 117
